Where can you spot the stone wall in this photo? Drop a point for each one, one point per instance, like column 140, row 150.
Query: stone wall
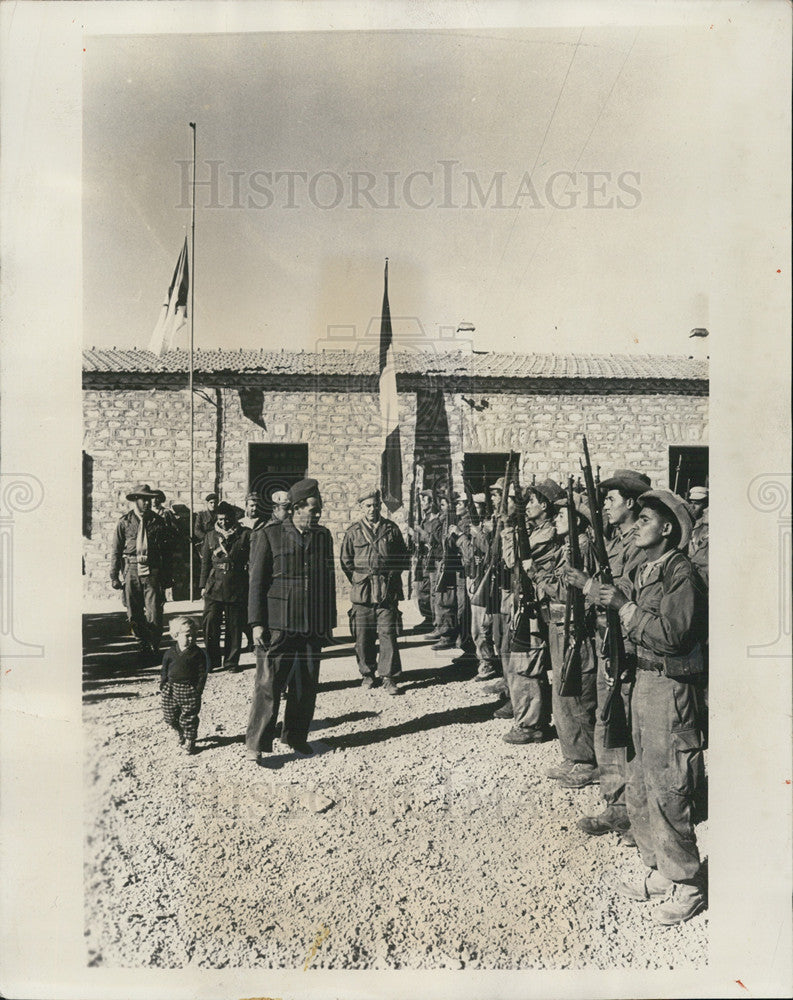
column 142, row 436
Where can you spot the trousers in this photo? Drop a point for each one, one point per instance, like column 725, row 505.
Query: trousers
column 214, row 614
column 612, row 764
column 143, row 599
column 574, row 715
column 660, row 784
column 481, row 631
column 289, row 664
column 372, row 623
column 181, row 704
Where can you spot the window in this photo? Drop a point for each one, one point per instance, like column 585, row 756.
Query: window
column 481, row 469
column 688, row 466
column 273, row 467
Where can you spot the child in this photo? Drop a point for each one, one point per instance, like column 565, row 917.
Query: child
column 182, row 680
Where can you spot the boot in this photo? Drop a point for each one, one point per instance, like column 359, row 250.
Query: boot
column 653, row 884
column 580, row 775
column 683, row 901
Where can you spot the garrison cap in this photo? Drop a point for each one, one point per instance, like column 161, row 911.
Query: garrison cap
column 627, row 480
column 280, row 498
column 211, row 496
column 698, row 493
column 674, row 505
column 303, row 490
column 548, row 489
column 143, row 492
column 498, row 485
column 371, row 494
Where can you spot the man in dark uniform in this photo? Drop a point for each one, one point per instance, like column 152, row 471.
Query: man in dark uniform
column 373, row 556
column 224, row 587
column 292, row 609
column 140, row 564
column 282, row 508
column 698, row 546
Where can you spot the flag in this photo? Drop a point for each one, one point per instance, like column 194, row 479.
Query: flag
column 173, row 315
column 391, row 460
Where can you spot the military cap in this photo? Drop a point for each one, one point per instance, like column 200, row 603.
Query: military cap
column 479, row 498
column 211, row 496
column 253, row 496
column 226, row 508
column 674, row 505
column 581, row 506
column 426, row 493
column 142, row 492
column 370, row 494
column 498, row 485
column 303, row 490
column 159, row 495
column 698, row 493
column 627, row 480
column 280, row 498
column 548, row 489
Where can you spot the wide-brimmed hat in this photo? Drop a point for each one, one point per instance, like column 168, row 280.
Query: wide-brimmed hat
column 143, row 492
column 674, row 505
column 581, row 506
column 548, row 489
column 627, row 480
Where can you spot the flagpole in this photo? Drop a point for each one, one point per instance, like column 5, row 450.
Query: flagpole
column 190, row 375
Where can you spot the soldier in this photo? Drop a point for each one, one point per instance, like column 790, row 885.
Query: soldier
column 528, row 659
column 664, row 615
column 500, row 616
column 574, row 714
column 421, row 573
column 253, row 512
column 205, row 520
column 461, row 527
column 373, row 556
column 140, row 564
column 621, row 507
column 292, row 609
column 474, row 547
column 698, row 546
column 445, row 566
column 224, row 587
column 282, row 508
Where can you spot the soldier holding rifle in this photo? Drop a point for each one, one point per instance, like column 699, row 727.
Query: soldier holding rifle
column 621, row 506
column 571, row 635
column 664, row 614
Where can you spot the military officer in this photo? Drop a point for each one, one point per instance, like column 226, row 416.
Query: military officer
column 373, row 556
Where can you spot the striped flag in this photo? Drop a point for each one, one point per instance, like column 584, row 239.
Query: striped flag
column 173, row 315
column 391, row 461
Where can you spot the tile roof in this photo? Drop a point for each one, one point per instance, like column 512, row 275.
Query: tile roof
column 461, row 365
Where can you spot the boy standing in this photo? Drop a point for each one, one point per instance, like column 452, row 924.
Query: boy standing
column 182, row 680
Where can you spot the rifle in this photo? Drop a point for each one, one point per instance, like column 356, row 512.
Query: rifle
column 616, row 732
column 520, row 626
column 570, row 674
column 490, row 584
column 414, row 514
column 473, row 513
column 677, row 472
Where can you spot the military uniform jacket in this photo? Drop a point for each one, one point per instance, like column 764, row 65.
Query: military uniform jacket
column 422, row 544
column 698, row 546
column 224, row 566
column 669, row 620
column 204, row 522
column 125, row 543
column 292, row 584
column 372, row 558
column 549, row 575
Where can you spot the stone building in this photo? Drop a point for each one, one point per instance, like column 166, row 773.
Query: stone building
column 264, row 419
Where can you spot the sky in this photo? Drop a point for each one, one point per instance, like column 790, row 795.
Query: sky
column 550, row 187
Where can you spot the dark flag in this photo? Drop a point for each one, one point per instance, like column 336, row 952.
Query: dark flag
column 391, row 461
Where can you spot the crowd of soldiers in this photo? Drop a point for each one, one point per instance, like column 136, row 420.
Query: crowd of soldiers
column 586, row 613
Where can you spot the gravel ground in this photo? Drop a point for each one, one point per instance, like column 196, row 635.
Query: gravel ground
column 414, row 839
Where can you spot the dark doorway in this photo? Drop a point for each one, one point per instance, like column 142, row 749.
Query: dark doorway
column 482, row 468
column 88, row 494
column 688, row 466
column 274, row 467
